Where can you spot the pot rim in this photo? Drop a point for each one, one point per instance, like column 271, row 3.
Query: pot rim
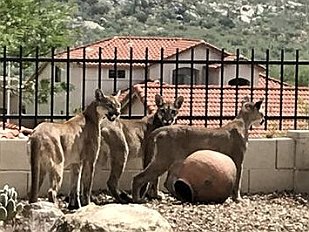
column 186, row 187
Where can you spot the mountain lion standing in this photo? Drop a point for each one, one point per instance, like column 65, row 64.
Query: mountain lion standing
column 125, row 139
column 75, row 142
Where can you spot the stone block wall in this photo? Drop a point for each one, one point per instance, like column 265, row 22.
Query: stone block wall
column 14, row 164
column 270, row 165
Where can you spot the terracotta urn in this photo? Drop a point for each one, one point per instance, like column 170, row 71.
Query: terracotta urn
column 204, row 176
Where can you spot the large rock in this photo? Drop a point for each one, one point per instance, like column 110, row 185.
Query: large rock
column 204, row 176
column 35, row 217
column 113, row 217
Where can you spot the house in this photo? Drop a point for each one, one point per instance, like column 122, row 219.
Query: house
column 140, row 72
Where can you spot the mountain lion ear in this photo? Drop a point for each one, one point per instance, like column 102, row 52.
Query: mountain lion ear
column 159, row 100
column 245, row 99
column 118, row 93
column 178, row 102
column 99, row 95
column 259, row 103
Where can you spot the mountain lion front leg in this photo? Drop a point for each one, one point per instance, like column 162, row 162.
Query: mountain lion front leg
column 74, row 198
column 150, row 190
column 87, row 175
column 118, row 162
column 155, row 169
column 236, row 189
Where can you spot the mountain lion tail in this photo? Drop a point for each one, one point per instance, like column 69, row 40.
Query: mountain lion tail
column 35, row 164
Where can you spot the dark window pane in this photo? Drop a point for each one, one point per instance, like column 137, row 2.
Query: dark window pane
column 240, row 82
column 184, row 76
column 58, row 75
column 120, row 74
column 111, row 73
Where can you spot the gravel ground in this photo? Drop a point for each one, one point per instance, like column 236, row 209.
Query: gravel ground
column 258, row 212
column 273, row 212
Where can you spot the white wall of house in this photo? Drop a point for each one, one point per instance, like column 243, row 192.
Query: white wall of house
column 59, row 98
column 13, row 99
column 14, row 103
column 213, row 76
column 107, row 84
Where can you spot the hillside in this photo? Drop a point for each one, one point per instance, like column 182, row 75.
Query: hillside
column 232, row 24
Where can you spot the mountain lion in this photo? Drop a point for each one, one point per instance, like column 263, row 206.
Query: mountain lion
column 125, row 139
column 74, row 143
column 170, row 144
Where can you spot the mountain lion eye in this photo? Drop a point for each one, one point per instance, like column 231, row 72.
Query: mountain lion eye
column 109, row 105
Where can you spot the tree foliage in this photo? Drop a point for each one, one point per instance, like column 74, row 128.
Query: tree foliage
column 26, row 25
column 35, row 23
column 44, row 92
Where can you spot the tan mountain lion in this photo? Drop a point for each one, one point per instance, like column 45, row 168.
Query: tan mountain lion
column 169, row 144
column 125, row 139
column 75, row 142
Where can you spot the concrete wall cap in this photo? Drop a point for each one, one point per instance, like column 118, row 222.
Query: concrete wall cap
column 297, row 134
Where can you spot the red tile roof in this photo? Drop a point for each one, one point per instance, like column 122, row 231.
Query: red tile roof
column 229, row 100
column 139, row 45
column 12, row 131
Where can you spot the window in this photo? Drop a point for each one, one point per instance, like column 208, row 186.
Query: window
column 23, row 109
column 3, row 111
column 57, row 74
column 121, row 74
column 239, row 81
column 184, row 76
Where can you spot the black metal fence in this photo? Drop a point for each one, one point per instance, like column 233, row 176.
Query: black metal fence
column 27, row 72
